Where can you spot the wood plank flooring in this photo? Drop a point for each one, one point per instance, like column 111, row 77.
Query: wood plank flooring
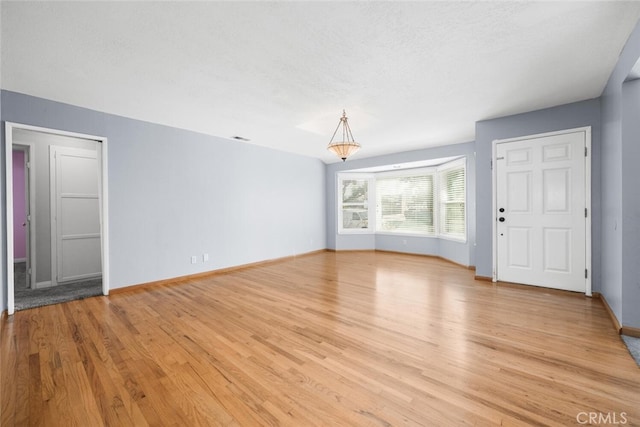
column 329, row 339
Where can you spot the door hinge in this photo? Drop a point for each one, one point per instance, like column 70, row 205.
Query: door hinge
column 28, row 165
column 585, row 151
column 586, row 273
column 491, row 164
column 585, row 212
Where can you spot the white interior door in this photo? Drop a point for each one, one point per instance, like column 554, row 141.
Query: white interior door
column 75, row 225
column 541, row 211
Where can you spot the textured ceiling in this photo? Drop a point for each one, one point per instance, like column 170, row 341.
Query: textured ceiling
column 409, row 74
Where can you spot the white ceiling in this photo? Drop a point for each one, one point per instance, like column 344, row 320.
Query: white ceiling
column 409, row 74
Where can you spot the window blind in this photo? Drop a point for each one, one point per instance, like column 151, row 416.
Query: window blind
column 405, row 203
column 452, row 202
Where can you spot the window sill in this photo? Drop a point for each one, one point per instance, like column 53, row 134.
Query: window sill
column 399, row 234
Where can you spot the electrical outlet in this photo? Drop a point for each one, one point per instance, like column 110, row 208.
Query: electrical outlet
column 194, row 259
column 205, row 257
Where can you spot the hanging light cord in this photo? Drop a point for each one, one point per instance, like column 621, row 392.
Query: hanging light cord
column 346, row 130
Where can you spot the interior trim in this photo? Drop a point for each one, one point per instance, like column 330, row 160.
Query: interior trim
column 144, row 286
column 614, row 319
column 630, row 331
column 4, row 316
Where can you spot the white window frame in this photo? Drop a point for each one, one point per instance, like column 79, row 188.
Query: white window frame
column 400, row 174
column 372, row 207
column 455, row 164
column 370, row 204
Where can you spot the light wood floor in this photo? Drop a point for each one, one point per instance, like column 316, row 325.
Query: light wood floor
column 346, row 339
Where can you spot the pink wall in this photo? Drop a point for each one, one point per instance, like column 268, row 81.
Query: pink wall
column 19, row 209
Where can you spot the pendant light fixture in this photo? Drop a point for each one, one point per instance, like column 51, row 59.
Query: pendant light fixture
column 347, row 146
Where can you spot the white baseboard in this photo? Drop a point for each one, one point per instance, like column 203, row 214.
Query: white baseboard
column 81, row 277
column 17, row 260
column 42, row 285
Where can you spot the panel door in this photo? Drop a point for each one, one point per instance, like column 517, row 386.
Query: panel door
column 541, row 201
column 76, row 214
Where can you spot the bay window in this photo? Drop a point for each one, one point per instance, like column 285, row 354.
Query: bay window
column 424, row 202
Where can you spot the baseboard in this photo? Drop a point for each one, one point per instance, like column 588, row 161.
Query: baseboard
column 484, row 278
column 350, row 250
column 614, row 319
column 17, row 260
column 144, row 286
column 42, row 285
column 469, row 267
column 3, row 319
column 630, row 331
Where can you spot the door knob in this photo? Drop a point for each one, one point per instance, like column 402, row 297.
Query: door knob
column 501, row 219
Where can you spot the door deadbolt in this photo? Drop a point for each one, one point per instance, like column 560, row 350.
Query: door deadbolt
column 501, row 209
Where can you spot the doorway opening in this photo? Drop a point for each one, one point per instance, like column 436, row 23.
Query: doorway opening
column 56, row 187
column 23, row 207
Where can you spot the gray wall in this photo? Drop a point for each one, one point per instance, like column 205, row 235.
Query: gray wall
column 40, row 162
column 617, row 225
column 611, row 237
column 630, row 204
column 579, row 114
column 462, row 253
column 175, row 193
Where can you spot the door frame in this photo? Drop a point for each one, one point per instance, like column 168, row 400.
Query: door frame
column 102, row 151
column 587, row 197
column 28, row 148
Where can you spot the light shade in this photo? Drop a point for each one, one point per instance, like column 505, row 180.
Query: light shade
column 343, row 149
column 348, row 145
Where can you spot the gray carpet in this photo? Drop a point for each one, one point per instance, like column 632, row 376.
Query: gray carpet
column 25, row 298
column 633, row 344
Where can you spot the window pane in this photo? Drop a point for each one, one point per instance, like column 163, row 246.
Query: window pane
column 455, row 184
column 454, row 223
column 355, row 202
column 355, row 191
column 452, row 199
column 355, row 218
column 405, row 203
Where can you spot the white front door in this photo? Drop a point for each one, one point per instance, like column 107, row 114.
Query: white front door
column 541, row 211
column 75, row 222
